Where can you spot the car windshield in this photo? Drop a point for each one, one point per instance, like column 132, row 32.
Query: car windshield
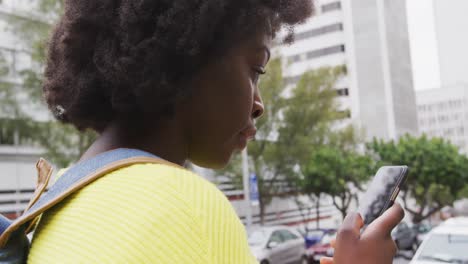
column 446, row 248
column 257, row 237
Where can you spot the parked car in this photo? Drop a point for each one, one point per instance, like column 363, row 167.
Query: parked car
column 421, row 230
column 457, row 221
column 405, row 237
column 277, row 245
column 446, row 243
column 323, row 248
column 313, row 236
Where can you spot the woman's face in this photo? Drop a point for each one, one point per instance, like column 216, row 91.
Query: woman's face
column 219, row 116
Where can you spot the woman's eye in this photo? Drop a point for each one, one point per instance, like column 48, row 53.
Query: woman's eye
column 257, row 72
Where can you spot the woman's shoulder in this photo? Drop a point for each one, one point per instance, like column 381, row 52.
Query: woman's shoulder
column 155, row 176
column 145, row 205
column 217, row 222
column 173, row 187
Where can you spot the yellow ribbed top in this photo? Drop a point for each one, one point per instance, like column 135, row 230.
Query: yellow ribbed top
column 145, row 213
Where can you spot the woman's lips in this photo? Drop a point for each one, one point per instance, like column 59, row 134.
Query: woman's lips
column 249, row 132
column 246, row 136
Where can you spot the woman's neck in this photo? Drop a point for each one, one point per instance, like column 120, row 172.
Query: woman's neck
column 167, row 142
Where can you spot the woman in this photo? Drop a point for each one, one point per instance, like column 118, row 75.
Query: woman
column 178, row 79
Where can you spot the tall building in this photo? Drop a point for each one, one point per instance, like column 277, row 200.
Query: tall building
column 369, row 38
column 451, row 22
column 443, row 112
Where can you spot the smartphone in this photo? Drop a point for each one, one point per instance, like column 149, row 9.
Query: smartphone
column 382, row 192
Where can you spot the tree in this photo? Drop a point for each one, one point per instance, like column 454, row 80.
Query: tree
column 437, row 171
column 62, row 143
column 8, row 104
column 316, row 182
column 463, row 193
column 290, row 128
column 14, row 124
column 336, row 169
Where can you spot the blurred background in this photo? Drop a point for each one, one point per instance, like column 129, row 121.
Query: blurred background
column 366, row 83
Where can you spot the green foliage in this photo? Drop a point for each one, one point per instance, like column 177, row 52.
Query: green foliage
column 463, row 193
column 308, row 113
column 437, row 174
column 51, row 8
column 336, row 169
column 14, row 125
column 62, row 143
column 8, row 104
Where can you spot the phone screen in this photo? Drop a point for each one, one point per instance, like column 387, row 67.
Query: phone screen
column 382, row 192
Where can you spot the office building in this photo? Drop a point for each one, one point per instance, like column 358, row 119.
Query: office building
column 369, row 38
column 443, row 112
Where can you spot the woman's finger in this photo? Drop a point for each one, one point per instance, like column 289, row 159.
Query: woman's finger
column 349, row 231
column 333, row 243
column 385, row 223
column 326, row 260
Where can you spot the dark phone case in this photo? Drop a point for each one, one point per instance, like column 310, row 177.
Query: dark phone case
column 382, row 192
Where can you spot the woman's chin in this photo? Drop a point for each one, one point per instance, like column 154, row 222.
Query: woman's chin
column 217, row 163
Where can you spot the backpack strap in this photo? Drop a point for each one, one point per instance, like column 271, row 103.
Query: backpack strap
column 73, row 180
column 44, row 173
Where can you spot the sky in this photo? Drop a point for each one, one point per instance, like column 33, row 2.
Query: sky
column 426, row 74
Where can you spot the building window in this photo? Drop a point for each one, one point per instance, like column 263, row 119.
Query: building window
column 325, row 51
column 318, row 31
column 294, row 58
column 448, row 132
column 345, row 114
column 442, row 118
column 343, row 92
column 317, row 53
column 331, row 7
column 443, row 105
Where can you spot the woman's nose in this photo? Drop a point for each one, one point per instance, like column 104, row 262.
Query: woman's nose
column 258, row 107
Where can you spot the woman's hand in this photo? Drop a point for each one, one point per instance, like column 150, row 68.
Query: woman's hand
column 374, row 246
